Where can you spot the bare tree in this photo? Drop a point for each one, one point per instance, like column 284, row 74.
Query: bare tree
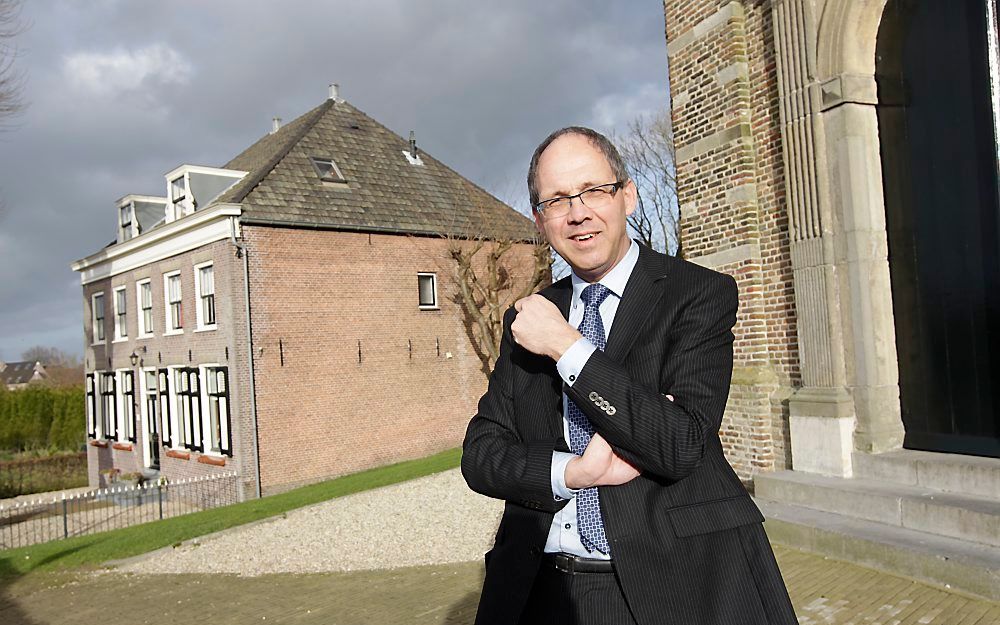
column 50, row 356
column 10, row 80
column 648, row 149
column 492, row 264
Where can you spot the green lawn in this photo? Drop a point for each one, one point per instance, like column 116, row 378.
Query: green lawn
column 131, row 541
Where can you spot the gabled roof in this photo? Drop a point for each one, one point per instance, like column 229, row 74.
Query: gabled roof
column 20, row 372
column 384, row 192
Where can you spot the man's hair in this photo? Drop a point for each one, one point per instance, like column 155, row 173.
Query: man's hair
column 598, row 140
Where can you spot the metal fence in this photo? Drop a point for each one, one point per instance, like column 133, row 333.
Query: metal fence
column 36, row 521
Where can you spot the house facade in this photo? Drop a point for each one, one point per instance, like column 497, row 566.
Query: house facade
column 287, row 316
column 840, row 159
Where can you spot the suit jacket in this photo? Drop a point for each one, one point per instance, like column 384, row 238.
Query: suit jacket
column 686, row 539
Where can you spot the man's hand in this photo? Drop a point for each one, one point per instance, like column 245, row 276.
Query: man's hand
column 539, row 327
column 598, row 466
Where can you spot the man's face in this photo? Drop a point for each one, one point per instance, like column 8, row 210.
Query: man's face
column 591, row 240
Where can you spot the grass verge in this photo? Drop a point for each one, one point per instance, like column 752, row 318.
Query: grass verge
column 83, row 551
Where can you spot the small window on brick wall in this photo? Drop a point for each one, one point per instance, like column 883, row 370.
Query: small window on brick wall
column 427, row 290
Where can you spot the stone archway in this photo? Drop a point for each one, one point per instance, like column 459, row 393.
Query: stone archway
column 850, row 395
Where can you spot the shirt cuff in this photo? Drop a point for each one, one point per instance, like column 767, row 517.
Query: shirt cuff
column 558, row 476
column 574, row 359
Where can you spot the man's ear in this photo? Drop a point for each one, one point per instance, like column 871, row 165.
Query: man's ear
column 631, row 197
column 538, row 223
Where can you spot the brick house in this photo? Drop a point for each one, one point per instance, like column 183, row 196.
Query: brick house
column 287, row 315
column 839, row 158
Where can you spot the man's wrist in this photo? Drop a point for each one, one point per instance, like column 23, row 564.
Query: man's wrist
column 563, row 341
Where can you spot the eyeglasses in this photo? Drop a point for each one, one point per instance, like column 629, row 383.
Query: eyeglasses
column 594, row 197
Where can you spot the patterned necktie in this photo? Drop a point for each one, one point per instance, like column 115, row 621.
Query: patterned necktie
column 588, row 503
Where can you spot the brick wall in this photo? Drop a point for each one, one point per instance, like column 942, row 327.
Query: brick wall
column 733, row 218
column 323, row 410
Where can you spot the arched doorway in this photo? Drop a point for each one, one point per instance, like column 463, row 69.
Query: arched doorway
column 939, row 151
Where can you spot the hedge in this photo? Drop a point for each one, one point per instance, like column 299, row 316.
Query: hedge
column 42, row 418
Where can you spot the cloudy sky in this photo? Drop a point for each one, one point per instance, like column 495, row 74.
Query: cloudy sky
column 119, row 92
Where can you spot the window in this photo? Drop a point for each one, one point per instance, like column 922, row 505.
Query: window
column 91, row 406
column 204, row 279
column 97, row 308
column 172, row 295
column 327, row 170
column 427, row 287
column 126, row 382
column 125, row 221
column 219, row 429
column 189, row 408
column 144, row 294
column 109, row 414
column 121, row 326
column 178, row 195
column 163, row 376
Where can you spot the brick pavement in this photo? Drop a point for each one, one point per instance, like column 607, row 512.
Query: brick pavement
column 825, row 592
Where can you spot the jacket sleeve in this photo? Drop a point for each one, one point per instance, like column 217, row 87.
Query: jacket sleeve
column 657, row 435
column 496, row 462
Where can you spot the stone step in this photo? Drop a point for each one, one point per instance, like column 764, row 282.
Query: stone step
column 970, row 475
column 965, row 517
column 948, row 562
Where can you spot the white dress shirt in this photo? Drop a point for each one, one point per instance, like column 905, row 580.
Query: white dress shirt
column 563, row 534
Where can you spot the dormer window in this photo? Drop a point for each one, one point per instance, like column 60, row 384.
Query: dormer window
column 178, row 195
column 125, row 219
column 327, row 170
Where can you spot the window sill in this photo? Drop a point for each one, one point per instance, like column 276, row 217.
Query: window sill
column 207, row 328
column 144, row 337
column 122, row 446
column 99, row 343
column 121, row 340
column 217, row 461
column 429, row 307
column 173, row 332
column 180, row 455
column 101, row 444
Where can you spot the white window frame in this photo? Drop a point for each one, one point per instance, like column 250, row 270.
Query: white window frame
column 94, row 340
column 170, row 424
column 132, row 231
column 206, row 414
column 143, row 332
column 125, row 427
column 167, row 329
column 104, row 418
column 197, row 444
column 120, row 336
column 433, row 277
column 199, row 315
column 90, row 392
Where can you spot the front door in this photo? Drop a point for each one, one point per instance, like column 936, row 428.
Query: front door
column 937, row 74
column 151, row 420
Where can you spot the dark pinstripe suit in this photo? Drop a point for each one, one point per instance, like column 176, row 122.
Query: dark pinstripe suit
column 686, row 539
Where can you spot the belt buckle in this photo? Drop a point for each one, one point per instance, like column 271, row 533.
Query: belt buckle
column 564, row 563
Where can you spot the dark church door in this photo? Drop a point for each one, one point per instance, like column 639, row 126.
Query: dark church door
column 937, row 72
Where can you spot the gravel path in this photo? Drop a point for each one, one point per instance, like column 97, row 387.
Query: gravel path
column 431, row 520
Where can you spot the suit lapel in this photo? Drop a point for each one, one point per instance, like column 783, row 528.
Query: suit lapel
column 560, row 294
column 639, row 300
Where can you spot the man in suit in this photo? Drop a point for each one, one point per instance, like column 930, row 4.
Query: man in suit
column 600, row 427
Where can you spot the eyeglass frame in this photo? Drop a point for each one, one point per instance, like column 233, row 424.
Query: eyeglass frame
column 616, row 186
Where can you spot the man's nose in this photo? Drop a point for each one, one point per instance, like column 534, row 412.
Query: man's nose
column 578, row 211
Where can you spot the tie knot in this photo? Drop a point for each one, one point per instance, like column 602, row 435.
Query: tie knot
column 595, row 294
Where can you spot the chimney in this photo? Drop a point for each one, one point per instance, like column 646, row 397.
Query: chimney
column 413, row 144
column 275, row 124
column 335, row 92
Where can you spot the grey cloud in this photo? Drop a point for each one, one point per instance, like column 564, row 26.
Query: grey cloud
column 480, row 82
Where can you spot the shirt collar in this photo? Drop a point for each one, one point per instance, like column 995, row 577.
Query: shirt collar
column 615, row 279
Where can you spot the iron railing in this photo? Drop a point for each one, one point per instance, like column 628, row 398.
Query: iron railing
column 28, row 522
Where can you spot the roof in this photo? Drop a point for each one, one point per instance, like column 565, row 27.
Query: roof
column 383, row 191
column 19, row 372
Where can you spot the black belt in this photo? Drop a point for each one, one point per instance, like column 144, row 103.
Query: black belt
column 570, row 564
